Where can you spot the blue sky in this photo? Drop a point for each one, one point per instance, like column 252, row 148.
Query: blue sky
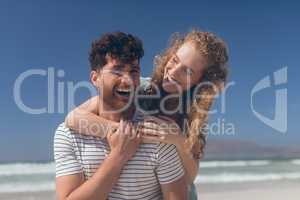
column 262, row 38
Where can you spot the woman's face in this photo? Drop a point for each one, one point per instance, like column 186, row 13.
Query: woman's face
column 184, row 69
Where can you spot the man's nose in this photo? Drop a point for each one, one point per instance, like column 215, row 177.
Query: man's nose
column 126, row 79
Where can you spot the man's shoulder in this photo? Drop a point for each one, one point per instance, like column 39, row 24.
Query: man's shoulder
column 67, row 134
column 63, row 129
column 166, row 145
column 159, row 148
column 63, row 132
column 166, row 149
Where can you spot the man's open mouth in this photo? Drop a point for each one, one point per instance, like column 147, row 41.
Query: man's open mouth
column 123, row 93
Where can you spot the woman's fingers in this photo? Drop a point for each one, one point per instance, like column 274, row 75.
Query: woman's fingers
column 154, row 134
column 146, row 128
column 164, row 123
column 168, row 119
column 171, row 123
column 156, row 126
column 153, row 119
column 150, row 125
column 146, row 131
column 151, row 139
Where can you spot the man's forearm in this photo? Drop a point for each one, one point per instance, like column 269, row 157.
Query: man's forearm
column 102, row 182
column 176, row 190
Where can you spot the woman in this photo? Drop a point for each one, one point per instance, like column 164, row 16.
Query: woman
column 196, row 59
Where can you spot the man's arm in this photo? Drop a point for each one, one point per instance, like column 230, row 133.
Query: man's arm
column 175, row 190
column 97, row 187
column 170, row 173
column 70, row 182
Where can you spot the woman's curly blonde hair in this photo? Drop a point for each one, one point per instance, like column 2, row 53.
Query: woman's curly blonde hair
column 215, row 51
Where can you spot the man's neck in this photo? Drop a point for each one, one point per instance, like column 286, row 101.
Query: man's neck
column 109, row 113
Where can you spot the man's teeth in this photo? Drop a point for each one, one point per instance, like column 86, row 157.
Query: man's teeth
column 123, row 90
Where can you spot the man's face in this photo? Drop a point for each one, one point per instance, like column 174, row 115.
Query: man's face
column 117, row 82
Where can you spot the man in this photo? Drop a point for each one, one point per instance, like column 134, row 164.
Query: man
column 119, row 167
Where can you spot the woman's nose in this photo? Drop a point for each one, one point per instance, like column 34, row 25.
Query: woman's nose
column 174, row 70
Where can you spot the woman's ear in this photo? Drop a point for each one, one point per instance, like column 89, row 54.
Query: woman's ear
column 94, row 77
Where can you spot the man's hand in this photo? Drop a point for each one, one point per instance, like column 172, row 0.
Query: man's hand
column 124, row 144
column 124, row 141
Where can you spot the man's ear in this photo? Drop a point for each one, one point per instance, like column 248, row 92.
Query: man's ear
column 94, row 77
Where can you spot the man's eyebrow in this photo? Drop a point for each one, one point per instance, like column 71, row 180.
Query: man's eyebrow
column 118, row 66
column 136, row 67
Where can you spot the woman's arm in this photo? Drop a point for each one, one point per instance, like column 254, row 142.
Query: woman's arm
column 84, row 119
column 191, row 165
column 165, row 130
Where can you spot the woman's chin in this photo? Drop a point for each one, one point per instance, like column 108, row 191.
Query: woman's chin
column 169, row 88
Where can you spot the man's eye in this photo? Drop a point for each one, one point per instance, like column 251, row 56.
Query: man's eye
column 116, row 72
column 135, row 72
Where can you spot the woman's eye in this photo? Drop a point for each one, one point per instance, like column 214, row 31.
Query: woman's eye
column 173, row 60
column 188, row 71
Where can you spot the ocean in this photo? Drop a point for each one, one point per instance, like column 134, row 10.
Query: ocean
column 37, row 177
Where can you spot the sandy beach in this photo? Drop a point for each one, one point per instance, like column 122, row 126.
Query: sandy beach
column 277, row 190
column 45, row 195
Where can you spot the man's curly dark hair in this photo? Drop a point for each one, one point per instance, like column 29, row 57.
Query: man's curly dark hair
column 118, row 45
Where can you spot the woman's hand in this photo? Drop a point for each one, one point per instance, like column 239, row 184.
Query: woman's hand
column 161, row 129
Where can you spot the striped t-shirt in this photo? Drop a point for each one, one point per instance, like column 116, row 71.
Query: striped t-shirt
column 140, row 178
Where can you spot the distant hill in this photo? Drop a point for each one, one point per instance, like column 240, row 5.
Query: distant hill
column 244, row 149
